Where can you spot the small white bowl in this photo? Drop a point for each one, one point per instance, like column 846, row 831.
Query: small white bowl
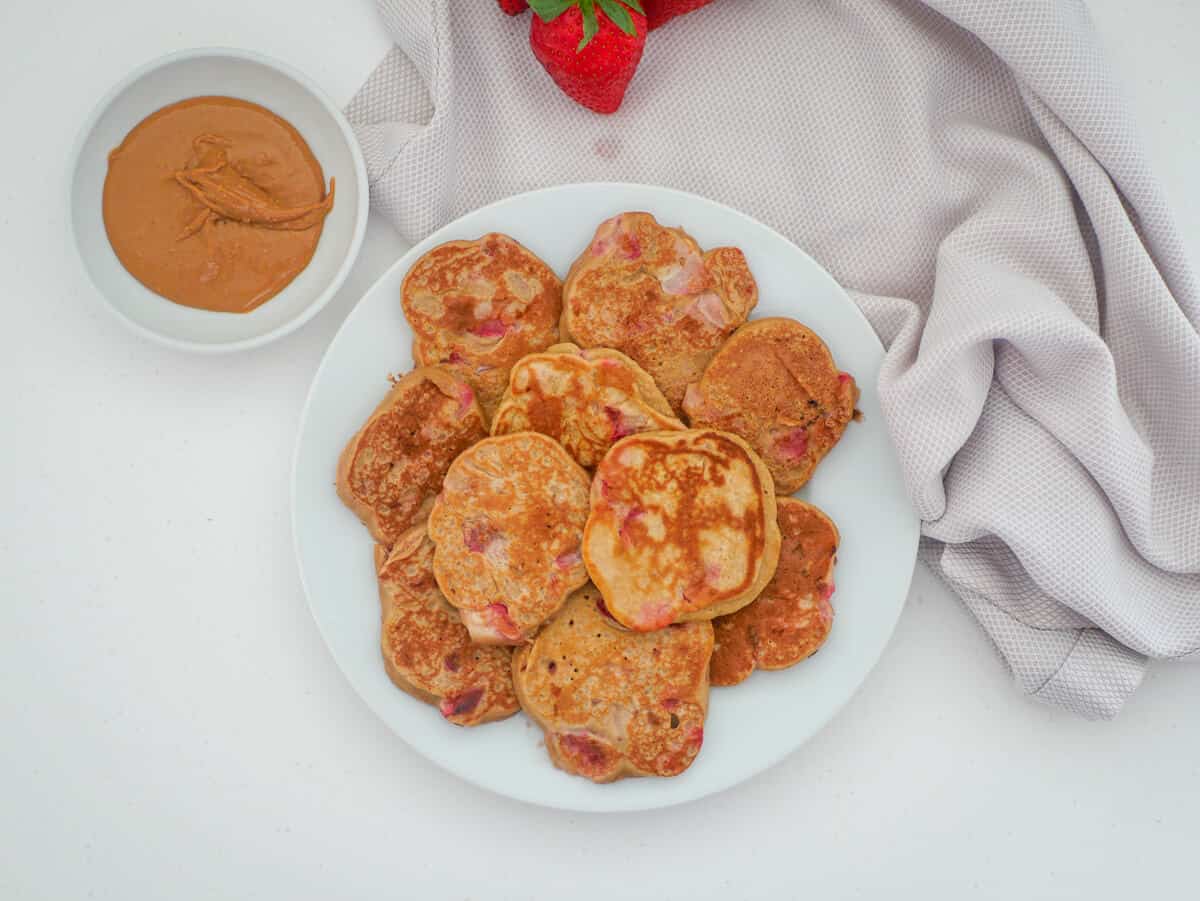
column 248, row 76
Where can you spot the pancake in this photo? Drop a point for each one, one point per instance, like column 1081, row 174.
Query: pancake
column 792, row 617
column 682, row 527
column 615, row 703
column 426, row 650
column 390, row 472
column 507, row 526
column 775, row 384
column 583, row 399
column 477, row 307
column 650, row 292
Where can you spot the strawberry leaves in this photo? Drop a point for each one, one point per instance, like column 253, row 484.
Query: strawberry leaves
column 549, row 10
column 620, row 15
column 615, row 10
column 590, row 25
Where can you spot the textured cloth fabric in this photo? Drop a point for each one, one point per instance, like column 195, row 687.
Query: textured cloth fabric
column 968, row 170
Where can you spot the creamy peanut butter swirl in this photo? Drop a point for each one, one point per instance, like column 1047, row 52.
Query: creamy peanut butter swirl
column 215, row 203
column 225, row 192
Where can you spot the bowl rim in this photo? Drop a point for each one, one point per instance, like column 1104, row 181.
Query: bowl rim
column 360, row 177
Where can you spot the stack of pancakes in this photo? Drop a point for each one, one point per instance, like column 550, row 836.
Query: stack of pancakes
column 573, row 497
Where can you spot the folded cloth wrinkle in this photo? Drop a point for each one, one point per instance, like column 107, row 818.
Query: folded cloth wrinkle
column 971, row 173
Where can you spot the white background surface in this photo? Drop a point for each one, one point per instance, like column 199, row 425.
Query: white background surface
column 173, row 726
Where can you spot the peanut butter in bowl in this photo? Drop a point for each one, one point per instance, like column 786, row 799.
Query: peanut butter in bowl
column 215, row 203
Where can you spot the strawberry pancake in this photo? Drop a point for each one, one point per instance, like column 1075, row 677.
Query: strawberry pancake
column 426, row 650
column 650, row 292
column 392, row 469
column 615, row 703
column 775, row 384
column 584, row 399
column 508, row 526
column 479, row 306
column 791, row 619
column 682, row 527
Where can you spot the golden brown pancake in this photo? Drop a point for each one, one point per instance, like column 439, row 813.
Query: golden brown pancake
column 775, row 384
column 508, row 525
column 426, row 650
column 792, row 617
column 479, row 306
column 682, row 527
column 392, row 469
column 615, row 703
column 583, row 399
column 650, row 292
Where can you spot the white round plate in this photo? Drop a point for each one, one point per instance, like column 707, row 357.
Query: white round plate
column 750, row 726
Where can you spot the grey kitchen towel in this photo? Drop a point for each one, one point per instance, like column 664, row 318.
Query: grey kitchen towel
column 969, row 170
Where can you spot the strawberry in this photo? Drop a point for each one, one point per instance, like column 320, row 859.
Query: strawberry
column 660, row 12
column 591, row 56
column 514, row 7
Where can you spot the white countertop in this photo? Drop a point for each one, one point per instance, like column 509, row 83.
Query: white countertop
column 174, row 727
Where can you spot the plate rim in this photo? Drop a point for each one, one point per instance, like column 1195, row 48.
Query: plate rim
column 406, row 259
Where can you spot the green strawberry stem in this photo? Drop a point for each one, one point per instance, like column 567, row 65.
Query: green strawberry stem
column 549, row 10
